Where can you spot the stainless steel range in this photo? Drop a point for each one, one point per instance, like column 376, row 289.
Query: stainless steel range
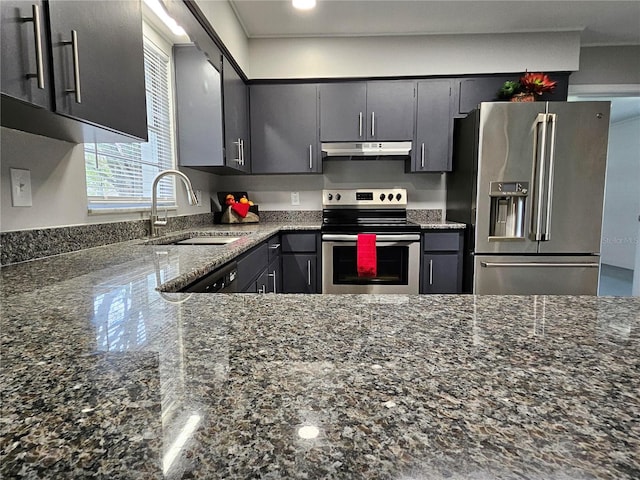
column 379, row 211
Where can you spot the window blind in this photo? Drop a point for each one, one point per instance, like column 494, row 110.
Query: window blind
column 120, row 175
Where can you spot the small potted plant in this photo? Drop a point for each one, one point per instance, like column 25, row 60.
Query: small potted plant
column 527, row 88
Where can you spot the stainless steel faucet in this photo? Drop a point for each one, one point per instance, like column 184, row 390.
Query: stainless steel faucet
column 193, row 200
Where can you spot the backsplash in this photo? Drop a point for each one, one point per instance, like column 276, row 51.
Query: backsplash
column 24, row 245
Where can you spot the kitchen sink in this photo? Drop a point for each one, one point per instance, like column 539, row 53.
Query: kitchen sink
column 206, row 241
column 197, row 238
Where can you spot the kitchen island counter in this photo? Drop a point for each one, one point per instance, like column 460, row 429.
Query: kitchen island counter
column 105, row 376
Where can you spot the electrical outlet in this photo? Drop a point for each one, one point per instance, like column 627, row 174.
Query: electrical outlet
column 20, row 187
column 199, row 197
column 295, row 198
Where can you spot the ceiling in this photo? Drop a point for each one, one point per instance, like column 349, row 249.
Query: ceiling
column 600, row 22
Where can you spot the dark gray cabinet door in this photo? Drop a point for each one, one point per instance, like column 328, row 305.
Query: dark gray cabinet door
column 104, row 67
column 299, row 273
column 390, row 110
column 236, row 119
column 343, row 111
column 284, row 129
column 434, row 127
column 440, row 273
column 472, row 91
column 25, row 47
column 367, row 111
column 199, row 109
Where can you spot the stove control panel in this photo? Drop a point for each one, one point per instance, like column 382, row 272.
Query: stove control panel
column 364, row 197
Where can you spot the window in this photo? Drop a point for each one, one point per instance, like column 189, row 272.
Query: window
column 120, row 175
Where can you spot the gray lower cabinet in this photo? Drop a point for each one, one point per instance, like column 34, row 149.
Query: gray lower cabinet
column 284, row 129
column 367, row 111
column 89, row 90
column 198, row 92
column 259, row 269
column 300, row 273
column 235, row 96
column 434, row 127
column 442, row 261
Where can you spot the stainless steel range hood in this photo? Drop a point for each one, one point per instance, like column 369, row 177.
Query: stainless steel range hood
column 367, row 150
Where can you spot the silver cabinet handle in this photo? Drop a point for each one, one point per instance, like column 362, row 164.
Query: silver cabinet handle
column 310, row 157
column 537, row 264
column 422, row 156
column 309, row 272
column 373, row 124
column 76, row 66
column 239, row 159
column 242, row 150
column 431, row 272
column 275, row 246
column 273, row 275
column 360, row 124
column 37, row 34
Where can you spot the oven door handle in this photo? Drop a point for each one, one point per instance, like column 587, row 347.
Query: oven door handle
column 330, row 237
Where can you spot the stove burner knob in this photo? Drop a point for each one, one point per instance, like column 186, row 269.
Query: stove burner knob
column 338, row 197
column 382, row 197
column 390, row 196
column 398, row 196
column 330, row 197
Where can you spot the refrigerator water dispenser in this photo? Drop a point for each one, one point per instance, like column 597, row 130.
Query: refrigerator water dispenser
column 508, row 202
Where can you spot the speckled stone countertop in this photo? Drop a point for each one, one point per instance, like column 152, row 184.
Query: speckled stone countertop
column 103, row 376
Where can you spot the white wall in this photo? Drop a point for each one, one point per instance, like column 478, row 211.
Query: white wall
column 273, row 192
column 608, row 66
column 225, row 23
column 58, row 185
column 412, row 55
column 622, row 195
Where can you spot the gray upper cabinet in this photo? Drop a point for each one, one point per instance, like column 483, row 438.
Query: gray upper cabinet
column 25, row 46
column 284, row 128
column 434, row 125
column 367, row 111
column 343, row 111
column 199, row 109
column 90, row 61
column 236, row 119
column 474, row 90
column 98, row 63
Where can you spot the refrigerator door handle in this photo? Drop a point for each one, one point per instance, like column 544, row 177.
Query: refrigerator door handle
column 538, row 264
column 539, row 167
column 552, row 158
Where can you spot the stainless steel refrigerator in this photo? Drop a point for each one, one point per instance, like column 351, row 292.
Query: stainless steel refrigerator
column 528, row 180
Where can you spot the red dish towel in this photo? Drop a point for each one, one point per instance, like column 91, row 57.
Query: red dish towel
column 240, row 208
column 366, row 249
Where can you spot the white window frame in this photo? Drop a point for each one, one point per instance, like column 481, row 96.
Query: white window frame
column 97, row 206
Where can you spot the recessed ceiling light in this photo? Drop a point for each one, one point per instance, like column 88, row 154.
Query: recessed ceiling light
column 303, row 4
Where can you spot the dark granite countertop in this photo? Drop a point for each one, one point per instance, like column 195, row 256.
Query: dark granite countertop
column 103, row 376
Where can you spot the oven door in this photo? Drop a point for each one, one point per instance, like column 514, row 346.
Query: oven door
column 398, row 264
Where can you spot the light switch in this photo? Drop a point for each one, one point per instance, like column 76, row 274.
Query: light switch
column 20, row 187
column 295, row 198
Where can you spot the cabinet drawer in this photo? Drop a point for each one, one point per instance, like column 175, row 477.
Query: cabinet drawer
column 252, row 264
column 275, row 245
column 299, row 242
column 442, row 241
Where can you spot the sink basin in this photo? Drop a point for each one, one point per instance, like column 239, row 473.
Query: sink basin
column 206, row 241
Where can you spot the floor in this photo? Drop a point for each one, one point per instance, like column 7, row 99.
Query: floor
column 615, row 281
